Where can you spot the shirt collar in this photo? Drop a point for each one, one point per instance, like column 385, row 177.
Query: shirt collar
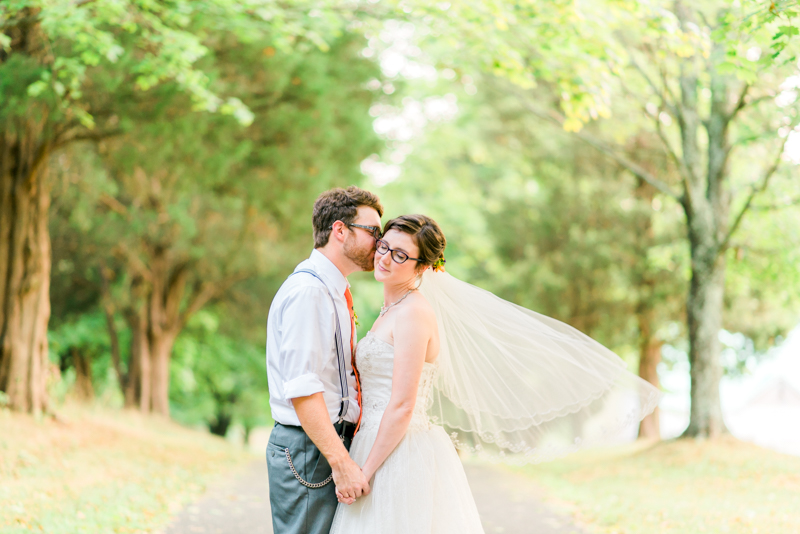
column 325, row 268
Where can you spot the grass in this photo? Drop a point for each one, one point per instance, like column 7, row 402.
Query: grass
column 102, row 471
column 107, row 471
column 677, row 487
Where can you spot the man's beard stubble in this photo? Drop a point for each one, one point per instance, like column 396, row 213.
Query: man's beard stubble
column 364, row 258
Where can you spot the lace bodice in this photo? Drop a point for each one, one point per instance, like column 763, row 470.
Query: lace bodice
column 375, row 362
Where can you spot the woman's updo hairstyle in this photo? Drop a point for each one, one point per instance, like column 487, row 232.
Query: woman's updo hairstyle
column 426, row 234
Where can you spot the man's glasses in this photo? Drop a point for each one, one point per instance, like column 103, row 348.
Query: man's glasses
column 374, row 230
column 382, row 247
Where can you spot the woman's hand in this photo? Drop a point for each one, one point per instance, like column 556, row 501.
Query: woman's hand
column 368, row 474
column 344, row 500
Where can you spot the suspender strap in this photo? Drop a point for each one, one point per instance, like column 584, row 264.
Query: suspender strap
column 345, row 402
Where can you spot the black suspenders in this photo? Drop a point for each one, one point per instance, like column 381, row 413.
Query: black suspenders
column 345, row 403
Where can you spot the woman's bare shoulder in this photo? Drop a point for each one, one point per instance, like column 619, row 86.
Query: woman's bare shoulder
column 418, row 311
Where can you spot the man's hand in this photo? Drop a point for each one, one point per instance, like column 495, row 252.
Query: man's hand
column 313, row 414
column 350, row 480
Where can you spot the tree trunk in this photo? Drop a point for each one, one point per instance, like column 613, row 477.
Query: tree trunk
column 707, row 205
column 649, row 358
column 704, row 317
column 137, row 392
column 161, row 350
column 649, row 344
column 148, row 375
column 221, row 424
column 24, row 270
column 83, row 375
column 156, row 324
column 113, row 336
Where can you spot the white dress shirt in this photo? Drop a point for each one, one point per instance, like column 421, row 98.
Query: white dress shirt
column 301, row 347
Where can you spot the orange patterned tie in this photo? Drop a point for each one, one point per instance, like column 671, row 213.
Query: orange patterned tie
column 349, row 298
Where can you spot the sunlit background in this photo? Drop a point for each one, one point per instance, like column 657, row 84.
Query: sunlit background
column 760, row 404
column 171, row 154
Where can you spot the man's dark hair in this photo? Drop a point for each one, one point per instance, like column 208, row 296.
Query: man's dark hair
column 340, row 205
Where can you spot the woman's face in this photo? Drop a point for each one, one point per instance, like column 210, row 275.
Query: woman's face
column 388, row 270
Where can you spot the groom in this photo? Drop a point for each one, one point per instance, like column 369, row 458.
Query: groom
column 313, row 390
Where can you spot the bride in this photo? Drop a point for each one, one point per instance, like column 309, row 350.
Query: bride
column 505, row 382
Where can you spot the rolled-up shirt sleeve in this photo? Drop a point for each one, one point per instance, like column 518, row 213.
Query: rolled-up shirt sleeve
column 307, row 333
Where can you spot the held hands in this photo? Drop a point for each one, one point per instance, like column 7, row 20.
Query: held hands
column 341, row 498
column 351, row 482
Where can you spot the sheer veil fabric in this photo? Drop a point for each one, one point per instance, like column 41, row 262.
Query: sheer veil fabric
column 519, row 387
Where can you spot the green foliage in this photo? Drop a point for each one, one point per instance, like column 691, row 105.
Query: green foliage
column 530, row 214
column 543, row 220
column 763, row 279
column 534, row 217
column 222, row 203
column 86, row 335
column 530, row 42
column 87, row 332
column 120, row 48
column 217, row 380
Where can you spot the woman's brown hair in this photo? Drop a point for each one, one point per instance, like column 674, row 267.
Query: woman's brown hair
column 427, row 235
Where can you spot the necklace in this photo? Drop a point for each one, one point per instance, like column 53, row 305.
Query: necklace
column 386, row 308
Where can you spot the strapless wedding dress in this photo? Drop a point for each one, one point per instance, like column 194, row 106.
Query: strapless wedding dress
column 421, row 487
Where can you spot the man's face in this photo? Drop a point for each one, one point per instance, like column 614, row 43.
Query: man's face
column 359, row 246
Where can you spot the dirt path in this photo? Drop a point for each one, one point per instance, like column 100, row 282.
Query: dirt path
column 507, row 504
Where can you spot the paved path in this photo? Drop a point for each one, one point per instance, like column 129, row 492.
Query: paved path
column 507, row 504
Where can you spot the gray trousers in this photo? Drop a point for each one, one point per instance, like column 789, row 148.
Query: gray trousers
column 297, row 509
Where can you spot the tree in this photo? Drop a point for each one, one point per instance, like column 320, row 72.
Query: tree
column 707, row 76
column 75, row 67
column 542, row 222
column 186, row 205
column 218, row 379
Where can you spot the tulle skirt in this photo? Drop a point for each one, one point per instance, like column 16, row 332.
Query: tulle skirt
column 421, row 488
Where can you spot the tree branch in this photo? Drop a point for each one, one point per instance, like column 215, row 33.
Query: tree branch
column 669, row 103
column 755, row 189
column 740, row 103
column 135, row 262
column 633, row 168
column 108, row 309
column 114, row 205
column 671, row 153
column 203, row 293
column 200, row 296
column 679, row 163
column 777, row 206
column 87, row 135
column 750, row 138
column 174, row 291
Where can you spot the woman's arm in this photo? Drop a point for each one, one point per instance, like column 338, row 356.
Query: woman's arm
column 412, row 333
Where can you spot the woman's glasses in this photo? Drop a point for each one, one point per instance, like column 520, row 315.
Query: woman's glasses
column 382, row 247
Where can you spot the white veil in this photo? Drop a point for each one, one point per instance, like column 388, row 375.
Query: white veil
column 517, row 386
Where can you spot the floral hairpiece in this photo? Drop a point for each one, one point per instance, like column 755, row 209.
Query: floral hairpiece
column 438, row 266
